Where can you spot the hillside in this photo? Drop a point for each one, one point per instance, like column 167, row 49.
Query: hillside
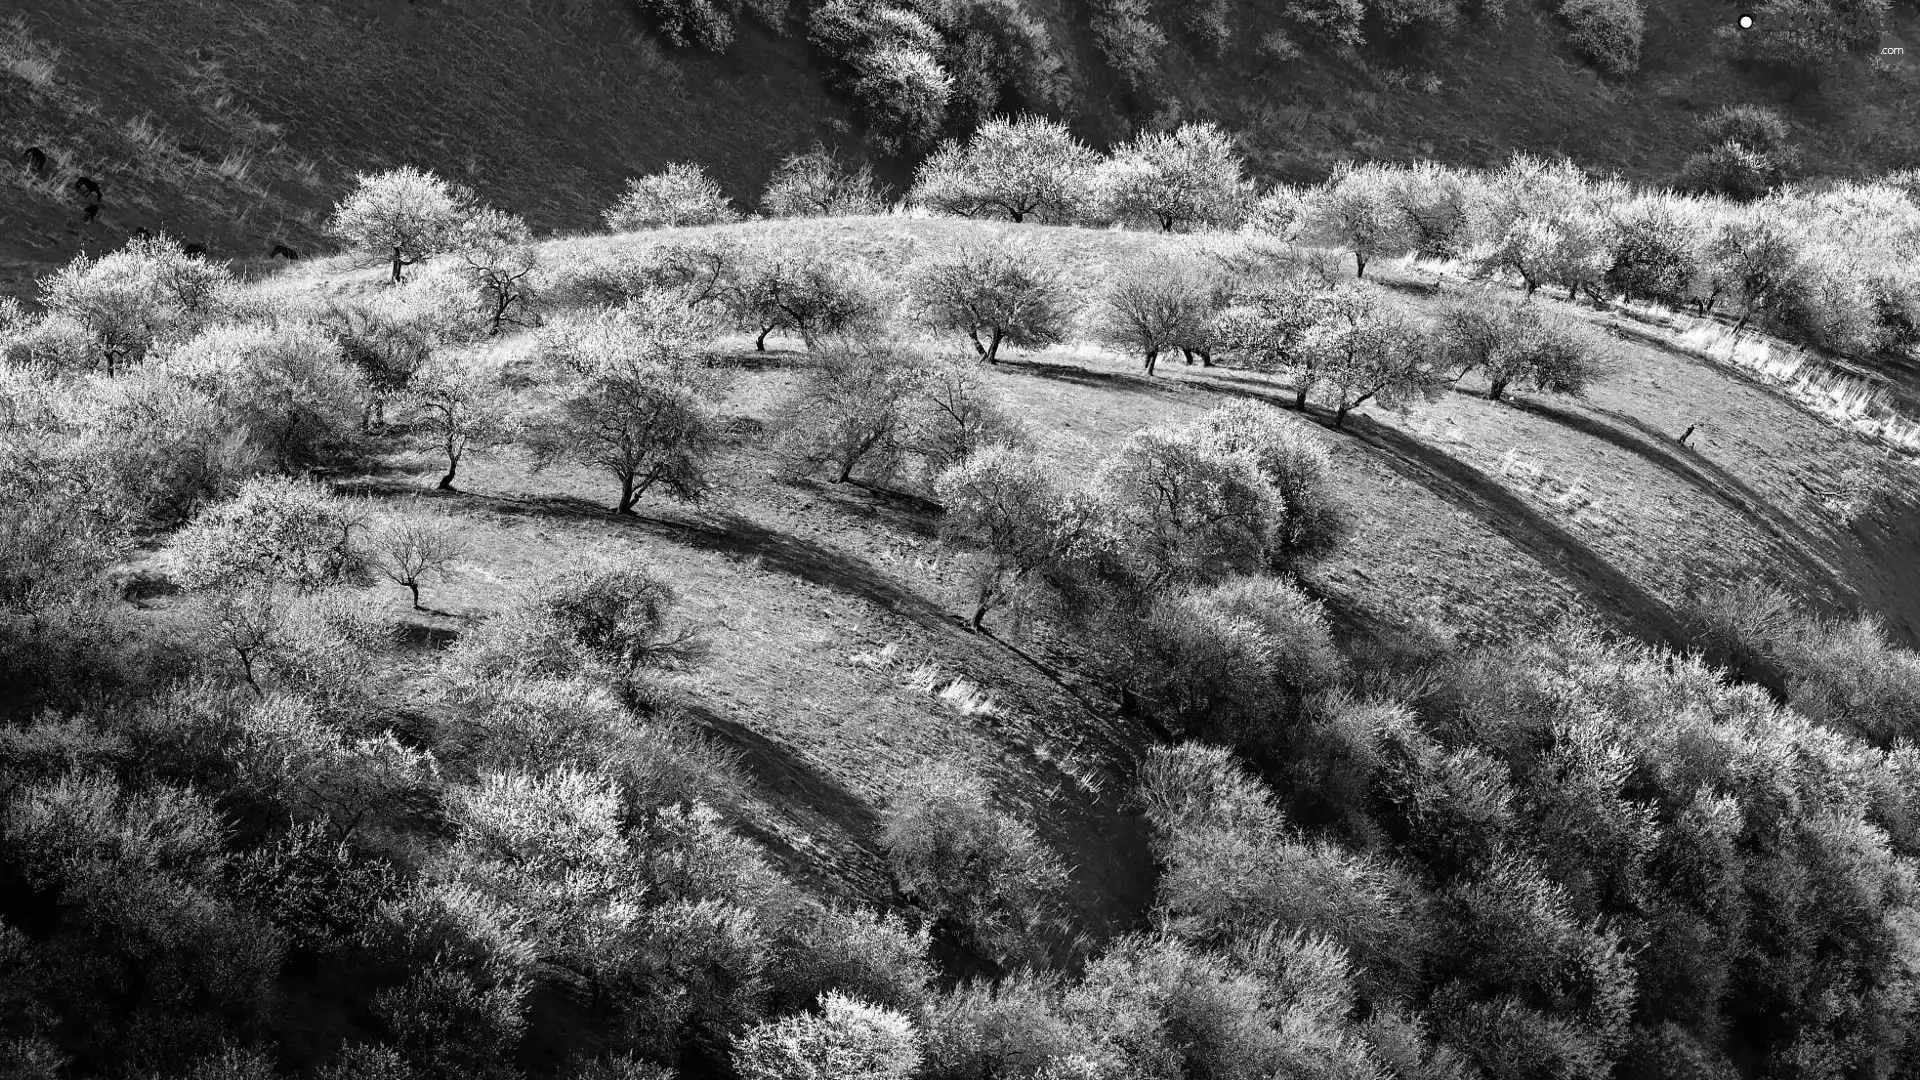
column 1493, row 519
column 238, row 124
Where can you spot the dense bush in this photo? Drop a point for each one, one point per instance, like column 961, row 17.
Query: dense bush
column 681, row 194
column 854, row 414
column 818, row 184
column 996, row 294
column 983, row 874
column 631, row 395
column 402, row 217
column 1523, row 344
column 1609, row 32
column 848, row 1040
column 108, row 313
column 805, row 289
column 1367, row 349
column 1155, row 305
column 1188, row 178
column 1025, row 168
column 1230, row 661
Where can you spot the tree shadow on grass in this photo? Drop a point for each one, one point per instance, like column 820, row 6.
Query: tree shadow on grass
column 1083, row 376
column 821, row 805
column 1650, row 444
column 1547, row 543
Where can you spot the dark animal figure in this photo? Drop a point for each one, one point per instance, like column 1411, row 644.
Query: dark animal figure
column 142, row 233
column 282, row 251
column 194, row 249
column 1688, row 434
column 86, row 186
column 92, row 211
column 36, row 159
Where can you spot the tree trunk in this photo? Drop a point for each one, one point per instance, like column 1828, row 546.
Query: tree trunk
column 1187, row 354
column 397, row 264
column 979, row 348
column 1153, row 357
column 1495, row 388
column 1573, row 293
column 414, row 588
column 627, row 496
column 1206, row 357
column 453, row 466
column 979, row 609
column 1300, row 396
column 760, row 343
column 1359, row 265
column 993, row 346
column 846, row 472
column 1340, row 417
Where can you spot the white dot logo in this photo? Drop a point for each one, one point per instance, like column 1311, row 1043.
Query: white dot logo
column 1746, row 22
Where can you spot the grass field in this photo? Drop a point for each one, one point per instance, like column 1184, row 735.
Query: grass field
column 834, row 615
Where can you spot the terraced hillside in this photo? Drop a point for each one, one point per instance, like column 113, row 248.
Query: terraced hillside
column 1498, row 519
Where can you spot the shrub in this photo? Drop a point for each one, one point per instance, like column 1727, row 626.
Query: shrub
column 1607, row 31
column 867, row 955
column 1848, row 674
column 1518, row 343
column 1155, row 305
column 291, row 760
column 1435, row 204
column 1008, row 506
column 408, row 550
column 1756, row 256
column 1730, row 170
column 1434, row 17
column 1336, row 22
column 1025, row 168
column 903, row 93
column 1130, row 40
column 707, row 24
column 958, row 415
column 108, row 313
column 1359, row 209
column 135, row 879
column 621, row 618
column 1186, row 510
column 1311, row 519
column 848, row 1040
column 1190, row 178
column 1657, row 246
column 1232, row 661
column 285, row 390
column 1233, row 867
column 1368, row 350
column 985, row 874
column 444, row 1022
column 273, row 531
column 996, row 294
column 681, row 194
column 854, row 412
column 1001, row 58
column 818, row 184
column 402, row 216
column 634, row 400
column 450, row 408
column 809, row 291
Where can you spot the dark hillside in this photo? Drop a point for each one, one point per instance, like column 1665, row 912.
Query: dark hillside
column 238, row 123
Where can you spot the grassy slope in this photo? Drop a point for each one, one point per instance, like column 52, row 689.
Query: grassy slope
column 239, row 122
column 796, row 580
